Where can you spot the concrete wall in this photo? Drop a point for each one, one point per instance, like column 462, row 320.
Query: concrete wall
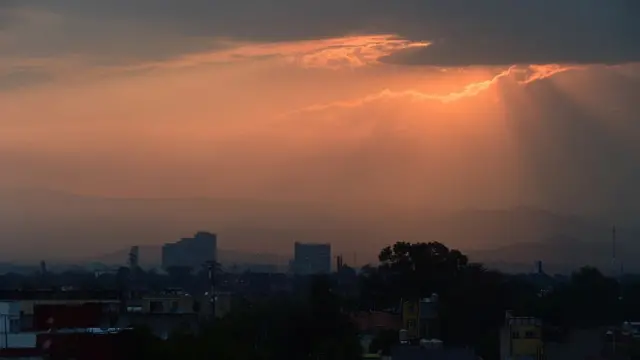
column 521, row 338
column 523, row 345
column 185, row 305
column 411, row 318
column 9, row 317
column 11, row 308
column 161, row 325
column 581, row 344
column 168, row 305
column 27, row 306
column 14, row 341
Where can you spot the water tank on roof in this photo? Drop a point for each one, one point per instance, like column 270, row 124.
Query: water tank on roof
column 435, row 297
column 403, row 336
column 431, row 343
column 428, row 309
column 508, row 315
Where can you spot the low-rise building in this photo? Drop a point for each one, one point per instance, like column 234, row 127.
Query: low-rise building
column 414, row 352
column 11, row 336
column 28, row 301
column 61, row 333
column 183, row 303
column 580, row 344
column 521, row 339
column 372, row 322
column 170, row 311
column 420, row 317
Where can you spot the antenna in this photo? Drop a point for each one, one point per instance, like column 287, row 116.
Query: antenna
column 616, row 269
column 613, row 242
column 211, row 267
column 613, row 250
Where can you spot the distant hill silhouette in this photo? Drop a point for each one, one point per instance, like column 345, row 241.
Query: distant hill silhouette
column 562, row 254
column 40, row 224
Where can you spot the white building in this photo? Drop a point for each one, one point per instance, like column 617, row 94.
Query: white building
column 10, row 335
column 190, row 252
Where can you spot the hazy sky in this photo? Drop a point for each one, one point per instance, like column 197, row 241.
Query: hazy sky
column 452, row 104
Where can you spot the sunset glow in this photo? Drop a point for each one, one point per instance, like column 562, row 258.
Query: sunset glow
column 196, row 106
column 379, row 108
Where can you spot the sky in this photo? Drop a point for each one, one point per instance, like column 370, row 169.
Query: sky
column 437, row 103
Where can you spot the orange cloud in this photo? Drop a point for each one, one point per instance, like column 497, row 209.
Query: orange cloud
column 333, row 53
column 526, row 74
column 347, row 52
column 540, row 72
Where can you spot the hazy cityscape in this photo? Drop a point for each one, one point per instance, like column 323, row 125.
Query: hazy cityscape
column 320, row 180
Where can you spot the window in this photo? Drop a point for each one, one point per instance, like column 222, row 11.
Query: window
column 14, row 325
column 174, row 307
column 156, row 307
column 515, row 335
column 530, row 335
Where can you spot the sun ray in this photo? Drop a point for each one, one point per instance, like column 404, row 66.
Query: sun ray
column 524, row 76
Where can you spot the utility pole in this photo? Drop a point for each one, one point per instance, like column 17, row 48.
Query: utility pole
column 212, row 283
column 614, row 264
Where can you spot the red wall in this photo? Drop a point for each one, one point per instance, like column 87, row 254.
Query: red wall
column 12, row 353
column 67, row 316
column 78, row 346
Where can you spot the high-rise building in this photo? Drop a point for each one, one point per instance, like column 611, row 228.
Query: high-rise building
column 191, row 252
column 311, row 259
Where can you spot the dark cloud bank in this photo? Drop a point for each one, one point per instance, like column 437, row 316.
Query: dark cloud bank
column 463, row 32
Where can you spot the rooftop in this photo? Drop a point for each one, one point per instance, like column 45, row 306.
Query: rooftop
column 20, row 294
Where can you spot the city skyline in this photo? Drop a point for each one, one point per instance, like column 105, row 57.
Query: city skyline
column 321, row 179
column 101, row 230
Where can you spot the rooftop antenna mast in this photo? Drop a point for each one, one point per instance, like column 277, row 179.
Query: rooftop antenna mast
column 133, row 262
column 134, row 255
column 615, row 263
column 613, row 242
column 621, row 264
column 211, row 267
column 617, row 268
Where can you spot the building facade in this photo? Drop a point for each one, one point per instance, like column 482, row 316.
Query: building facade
column 521, row 339
column 311, row 259
column 420, row 318
column 191, row 252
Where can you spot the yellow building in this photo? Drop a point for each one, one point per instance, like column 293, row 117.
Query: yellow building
column 420, row 318
column 411, row 318
column 521, row 338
